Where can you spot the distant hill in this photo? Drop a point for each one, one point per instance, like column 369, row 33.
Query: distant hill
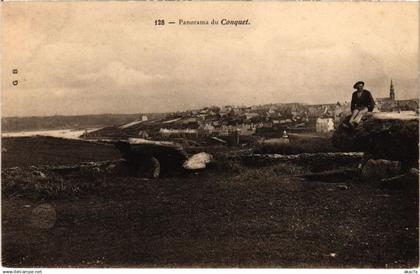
column 60, row 122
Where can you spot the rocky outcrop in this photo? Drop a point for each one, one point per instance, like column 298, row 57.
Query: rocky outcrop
column 382, row 135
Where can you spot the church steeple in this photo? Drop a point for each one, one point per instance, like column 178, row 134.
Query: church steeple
column 391, row 91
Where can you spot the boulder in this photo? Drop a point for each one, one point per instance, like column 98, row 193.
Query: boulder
column 409, row 178
column 380, row 169
column 382, row 135
column 151, row 158
column 198, row 161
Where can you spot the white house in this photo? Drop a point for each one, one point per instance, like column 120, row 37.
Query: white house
column 209, row 128
column 324, row 125
column 250, row 115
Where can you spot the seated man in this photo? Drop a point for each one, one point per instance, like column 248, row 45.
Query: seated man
column 361, row 102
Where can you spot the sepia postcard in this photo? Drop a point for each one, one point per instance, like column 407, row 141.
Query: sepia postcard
column 160, row 134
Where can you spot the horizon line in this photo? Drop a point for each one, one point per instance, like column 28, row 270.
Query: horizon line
column 186, row 110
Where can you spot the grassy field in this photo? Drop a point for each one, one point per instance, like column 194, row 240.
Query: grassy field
column 226, row 216
column 27, row 151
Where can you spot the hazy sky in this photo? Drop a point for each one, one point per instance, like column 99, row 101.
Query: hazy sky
column 90, row 57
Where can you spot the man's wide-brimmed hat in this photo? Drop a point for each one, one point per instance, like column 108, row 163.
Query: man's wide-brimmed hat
column 358, row 82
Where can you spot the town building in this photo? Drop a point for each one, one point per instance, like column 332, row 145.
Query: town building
column 324, row 125
column 169, row 132
column 387, row 101
column 390, row 104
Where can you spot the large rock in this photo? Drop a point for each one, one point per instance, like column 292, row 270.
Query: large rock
column 151, row 158
column 380, row 169
column 383, row 135
column 198, row 161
